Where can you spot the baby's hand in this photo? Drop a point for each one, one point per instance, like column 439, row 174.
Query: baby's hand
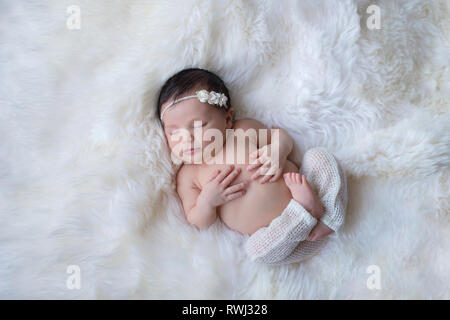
column 268, row 165
column 217, row 191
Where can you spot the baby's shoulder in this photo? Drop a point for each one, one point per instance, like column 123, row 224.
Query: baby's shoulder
column 186, row 171
column 187, row 174
column 248, row 123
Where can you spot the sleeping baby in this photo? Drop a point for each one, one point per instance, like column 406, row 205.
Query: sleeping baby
column 241, row 172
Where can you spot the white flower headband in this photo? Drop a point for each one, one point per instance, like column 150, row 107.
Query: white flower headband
column 212, row 97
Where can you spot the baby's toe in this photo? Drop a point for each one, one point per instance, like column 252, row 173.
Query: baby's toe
column 287, row 179
column 306, row 183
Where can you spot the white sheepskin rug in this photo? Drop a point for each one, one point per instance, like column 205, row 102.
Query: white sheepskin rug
column 87, row 188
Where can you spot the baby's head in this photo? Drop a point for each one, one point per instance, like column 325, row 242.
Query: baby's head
column 178, row 120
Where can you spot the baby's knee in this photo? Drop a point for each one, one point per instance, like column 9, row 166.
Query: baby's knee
column 317, row 158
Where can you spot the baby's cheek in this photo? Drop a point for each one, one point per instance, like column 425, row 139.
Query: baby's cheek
column 176, row 149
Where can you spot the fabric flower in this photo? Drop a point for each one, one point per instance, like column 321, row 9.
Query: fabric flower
column 223, row 100
column 203, row 95
column 213, row 98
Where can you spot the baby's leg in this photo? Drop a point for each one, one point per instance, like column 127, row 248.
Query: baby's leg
column 325, row 174
column 283, row 241
column 304, row 250
column 275, row 242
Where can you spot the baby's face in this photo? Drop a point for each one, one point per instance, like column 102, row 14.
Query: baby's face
column 179, row 126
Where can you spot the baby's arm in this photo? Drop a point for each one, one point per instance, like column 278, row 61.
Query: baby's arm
column 200, row 206
column 284, row 146
column 285, row 140
column 202, row 215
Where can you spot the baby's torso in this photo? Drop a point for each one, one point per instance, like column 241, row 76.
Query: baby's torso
column 260, row 204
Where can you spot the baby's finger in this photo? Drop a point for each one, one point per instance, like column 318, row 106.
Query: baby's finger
column 255, row 158
column 268, row 174
column 224, row 173
column 273, row 170
column 259, row 155
column 254, row 165
column 255, row 153
column 231, row 176
column 236, row 187
column 214, row 175
column 260, row 172
column 235, row 195
column 276, row 176
column 265, row 178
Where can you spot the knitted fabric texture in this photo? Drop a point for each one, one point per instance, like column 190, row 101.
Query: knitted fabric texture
column 283, row 241
column 325, row 174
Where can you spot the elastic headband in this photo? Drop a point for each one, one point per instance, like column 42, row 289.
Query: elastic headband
column 212, row 97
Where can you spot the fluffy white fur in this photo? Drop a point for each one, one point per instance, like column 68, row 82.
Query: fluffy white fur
column 85, row 177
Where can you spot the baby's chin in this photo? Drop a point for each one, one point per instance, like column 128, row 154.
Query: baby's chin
column 195, row 158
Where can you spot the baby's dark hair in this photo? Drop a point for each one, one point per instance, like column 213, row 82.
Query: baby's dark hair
column 188, row 79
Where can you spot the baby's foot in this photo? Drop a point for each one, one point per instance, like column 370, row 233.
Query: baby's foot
column 319, row 231
column 303, row 193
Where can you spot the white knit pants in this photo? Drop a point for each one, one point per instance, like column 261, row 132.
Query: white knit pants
column 284, row 241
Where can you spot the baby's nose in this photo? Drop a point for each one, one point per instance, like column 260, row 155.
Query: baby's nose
column 187, row 136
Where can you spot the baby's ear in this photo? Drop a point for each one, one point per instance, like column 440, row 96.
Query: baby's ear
column 230, row 118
